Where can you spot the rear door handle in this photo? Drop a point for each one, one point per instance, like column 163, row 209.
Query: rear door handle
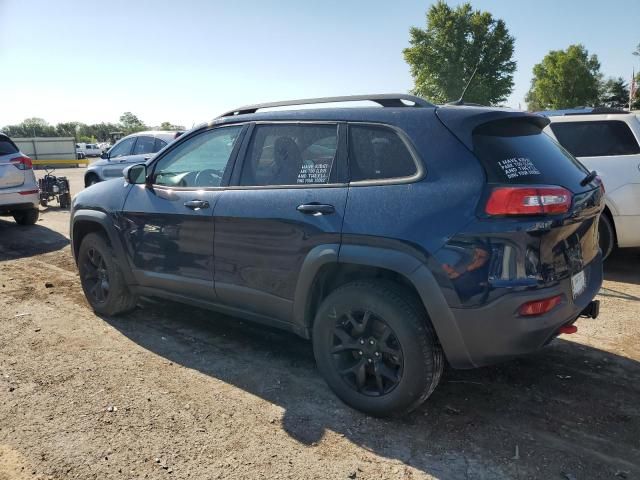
column 196, row 204
column 316, row 209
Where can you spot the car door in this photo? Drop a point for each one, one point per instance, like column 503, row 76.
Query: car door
column 286, row 197
column 168, row 224
column 117, row 157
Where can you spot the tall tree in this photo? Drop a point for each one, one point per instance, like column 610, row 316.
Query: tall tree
column 131, row 124
column 443, row 56
column 564, row 79
column 614, row 93
column 170, row 126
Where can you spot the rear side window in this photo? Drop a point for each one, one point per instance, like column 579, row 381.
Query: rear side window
column 143, row 145
column 302, row 154
column 159, row 145
column 377, row 153
column 597, row 138
column 7, row 147
column 518, row 152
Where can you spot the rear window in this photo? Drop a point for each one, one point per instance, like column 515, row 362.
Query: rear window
column 7, row 147
column 518, row 152
column 597, row 138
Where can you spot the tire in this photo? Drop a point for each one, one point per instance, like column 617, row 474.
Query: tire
column 394, row 374
column 26, row 217
column 65, row 200
column 606, row 235
column 43, row 202
column 91, row 180
column 101, row 278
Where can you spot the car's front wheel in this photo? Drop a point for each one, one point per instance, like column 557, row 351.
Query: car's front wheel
column 91, row 180
column 101, row 278
column 26, row 217
column 376, row 348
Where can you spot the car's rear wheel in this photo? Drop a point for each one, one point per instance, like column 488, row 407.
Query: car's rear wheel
column 101, row 278
column 607, row 235
column 26, row 217
column 376, row 348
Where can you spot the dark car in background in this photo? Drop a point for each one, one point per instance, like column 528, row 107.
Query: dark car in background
column 396, row 238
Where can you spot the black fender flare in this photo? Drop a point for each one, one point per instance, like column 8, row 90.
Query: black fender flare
column 403, row 263
column 107, row 224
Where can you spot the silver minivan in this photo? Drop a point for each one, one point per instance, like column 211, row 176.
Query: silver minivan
column 135, row 148
column 19, row 193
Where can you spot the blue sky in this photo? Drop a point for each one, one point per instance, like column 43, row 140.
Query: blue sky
column 186, row 61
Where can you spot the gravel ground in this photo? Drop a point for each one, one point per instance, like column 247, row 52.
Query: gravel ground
column 176, row 392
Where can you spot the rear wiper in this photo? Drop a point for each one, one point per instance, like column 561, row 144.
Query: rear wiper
column 589, row 178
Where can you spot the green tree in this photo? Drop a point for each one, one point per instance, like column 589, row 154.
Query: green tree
column 131, row 124
column 443, row 56
column 564, row 79
column 614, row 93
column 170, row 126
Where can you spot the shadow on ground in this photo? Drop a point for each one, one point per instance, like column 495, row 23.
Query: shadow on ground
column 17, row 241
column 623, row 266
column 569, row 405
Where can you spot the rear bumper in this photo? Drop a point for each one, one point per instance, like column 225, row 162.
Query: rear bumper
column 495, row 332
column 10, row 202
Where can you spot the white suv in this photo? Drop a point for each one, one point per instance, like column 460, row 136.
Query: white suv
column 19, row 194
column 608, row 143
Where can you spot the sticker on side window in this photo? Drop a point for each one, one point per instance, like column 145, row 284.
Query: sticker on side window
column 314, row 173
column 518, row 167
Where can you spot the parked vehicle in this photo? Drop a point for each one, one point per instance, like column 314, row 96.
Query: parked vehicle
column 395, row 238
column 135, row 148
column 54, row 188
column 18, row 186
column 89, row 149
column 607, row 141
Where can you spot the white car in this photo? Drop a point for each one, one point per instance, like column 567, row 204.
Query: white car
column 89, row 149
column 608, row 143
column 19, row 193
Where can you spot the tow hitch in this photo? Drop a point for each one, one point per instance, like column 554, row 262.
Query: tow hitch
column 592, row 310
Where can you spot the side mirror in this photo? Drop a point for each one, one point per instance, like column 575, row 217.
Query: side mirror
column 136, row 174
column 104, row 155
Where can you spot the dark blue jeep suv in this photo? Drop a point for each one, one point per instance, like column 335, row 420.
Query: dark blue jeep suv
column 395, row 237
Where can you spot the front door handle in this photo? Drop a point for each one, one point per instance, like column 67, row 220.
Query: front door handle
column 196, row 204
column 316, row 209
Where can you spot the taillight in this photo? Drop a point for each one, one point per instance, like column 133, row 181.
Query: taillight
column 528, row 201
column 22, row 163
column 538, row 307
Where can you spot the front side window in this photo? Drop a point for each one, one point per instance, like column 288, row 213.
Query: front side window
column 144, row 145
column 378, row 153
column 597, row 138
column 200, row 161
column 302, row 154
column 123, row 148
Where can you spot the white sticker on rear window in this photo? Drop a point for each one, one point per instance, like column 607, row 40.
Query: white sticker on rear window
column 314, row 173
column 518, row 167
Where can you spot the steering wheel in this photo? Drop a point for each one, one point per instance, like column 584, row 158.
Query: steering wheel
column 208, row 178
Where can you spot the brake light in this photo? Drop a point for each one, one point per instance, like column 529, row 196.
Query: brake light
column 528, row 201
column 22, row 163
column 538, row 307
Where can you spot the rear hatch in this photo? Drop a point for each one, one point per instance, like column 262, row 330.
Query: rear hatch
column 539, row 211
column 11, row 175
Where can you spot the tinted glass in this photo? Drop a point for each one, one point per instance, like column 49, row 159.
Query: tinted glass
column 7, row 147
column 596, row 139
column 144, row 145
column 291, row 155
column 123, row 148
column 200, row 161
column 519, row 152
column 159, row 145
column 377, row 153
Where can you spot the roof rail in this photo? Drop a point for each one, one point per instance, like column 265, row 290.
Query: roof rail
column 385, row 100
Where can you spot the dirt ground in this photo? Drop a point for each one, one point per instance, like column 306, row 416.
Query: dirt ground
column 176, row 392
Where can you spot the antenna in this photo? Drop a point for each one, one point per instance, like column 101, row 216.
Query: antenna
column 460, row 101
